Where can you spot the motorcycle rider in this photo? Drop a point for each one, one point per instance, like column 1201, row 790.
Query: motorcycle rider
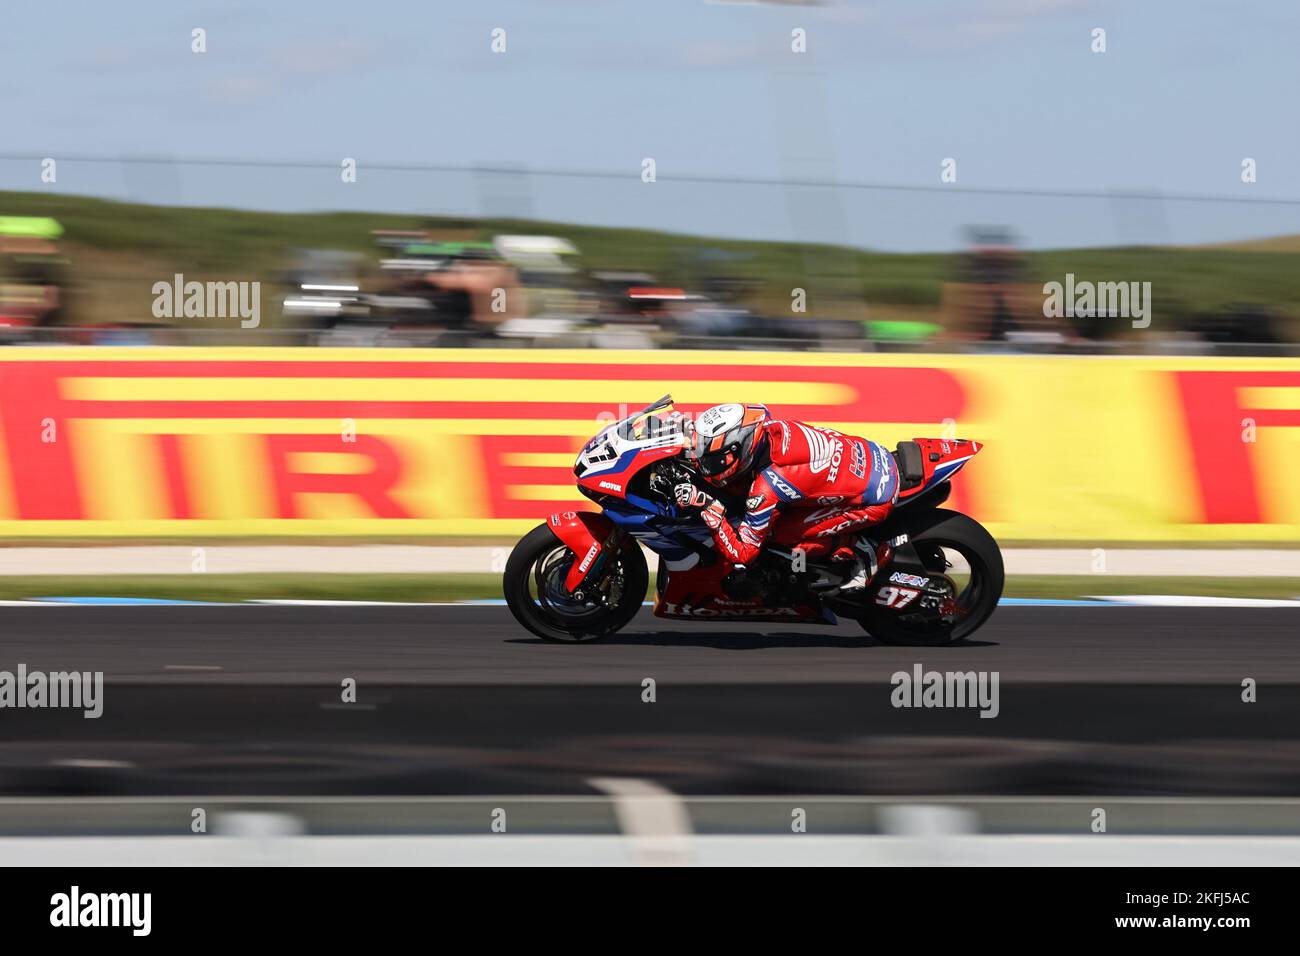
column 788, row 464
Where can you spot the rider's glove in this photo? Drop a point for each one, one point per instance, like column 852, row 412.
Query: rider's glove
column 712, row 513
column 688, row 496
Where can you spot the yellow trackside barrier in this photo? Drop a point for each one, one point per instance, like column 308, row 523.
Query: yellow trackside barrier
column 190, row 441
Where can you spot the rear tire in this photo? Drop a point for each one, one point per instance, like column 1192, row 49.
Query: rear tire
column 539, row 562
column 988, row 577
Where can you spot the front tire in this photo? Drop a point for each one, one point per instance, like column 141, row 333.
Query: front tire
column 533, row 586
column 929, row 534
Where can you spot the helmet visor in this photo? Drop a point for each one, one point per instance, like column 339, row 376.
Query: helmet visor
column 715, row 463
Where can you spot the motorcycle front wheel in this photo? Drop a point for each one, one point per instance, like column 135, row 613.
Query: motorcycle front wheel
column 534, row 589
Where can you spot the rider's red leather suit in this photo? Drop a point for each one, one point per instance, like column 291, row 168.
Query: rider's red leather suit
column 853, row 480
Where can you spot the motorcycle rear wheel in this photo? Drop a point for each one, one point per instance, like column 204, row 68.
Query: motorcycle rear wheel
column 931, row 533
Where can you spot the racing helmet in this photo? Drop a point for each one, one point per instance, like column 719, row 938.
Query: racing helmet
column 726, row 439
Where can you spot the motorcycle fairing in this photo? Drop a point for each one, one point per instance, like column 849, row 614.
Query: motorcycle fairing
column 697, row 593
column 941, row 458
column 607, row 463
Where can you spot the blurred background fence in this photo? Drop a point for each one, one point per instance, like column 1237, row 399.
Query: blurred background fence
column 484, row 255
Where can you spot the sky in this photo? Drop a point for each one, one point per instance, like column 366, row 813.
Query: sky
column 712, row 92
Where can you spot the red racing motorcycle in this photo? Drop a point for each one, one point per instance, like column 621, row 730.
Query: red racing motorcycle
column 583, row 575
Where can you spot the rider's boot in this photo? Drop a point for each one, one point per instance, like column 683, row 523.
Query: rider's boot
column 860, row 564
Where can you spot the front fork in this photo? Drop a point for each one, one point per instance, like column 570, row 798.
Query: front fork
column 590, row 537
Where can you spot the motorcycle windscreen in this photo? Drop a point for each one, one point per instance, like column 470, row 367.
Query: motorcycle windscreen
column 654, row 421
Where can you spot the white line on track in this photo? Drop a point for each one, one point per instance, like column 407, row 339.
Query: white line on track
column 1112, row 600
column 305, row 603
column 653, row 818
column 1178, row 600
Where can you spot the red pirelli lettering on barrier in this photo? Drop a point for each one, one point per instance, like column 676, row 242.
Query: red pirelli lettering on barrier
column 177, row 482
column 507, row 459
column 41, row 469
column 1217, row 420
column 50, row 480
column 372, row 486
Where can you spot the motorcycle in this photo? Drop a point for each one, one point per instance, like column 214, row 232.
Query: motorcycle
column 583, row 575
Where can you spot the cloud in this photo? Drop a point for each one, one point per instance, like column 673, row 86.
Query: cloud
column 274, row 69
column 331, row 55
column 240, row 89
column 714, row 54
column 964, row 26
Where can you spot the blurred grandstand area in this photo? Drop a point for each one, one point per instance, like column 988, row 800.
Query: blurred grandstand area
column 83, row 271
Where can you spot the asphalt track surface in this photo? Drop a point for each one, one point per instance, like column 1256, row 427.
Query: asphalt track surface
column 245, row 699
